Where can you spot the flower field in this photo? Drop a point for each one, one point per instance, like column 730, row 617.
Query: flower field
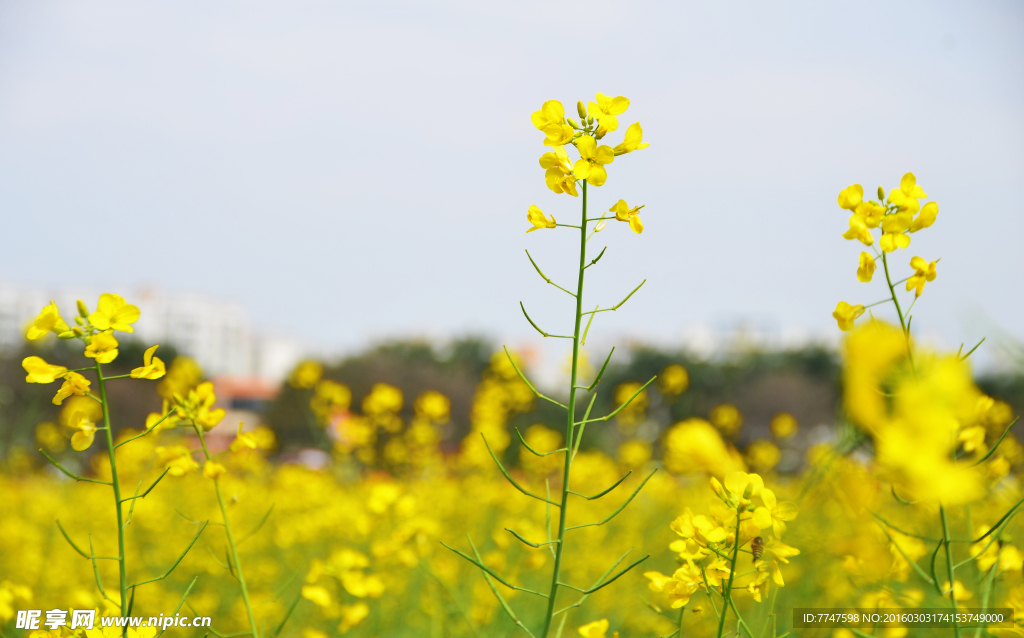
column 695, row 531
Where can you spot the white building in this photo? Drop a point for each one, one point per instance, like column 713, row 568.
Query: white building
column 218, row 333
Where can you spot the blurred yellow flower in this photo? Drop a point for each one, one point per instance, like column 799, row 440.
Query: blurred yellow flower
column 39, row 371
column 213, row 470
column 673, row 380
column 152, row 367
column 924, row 271
column 763, row 455
column 243, row 440
column 595, row 629
column 198, row 406
column 535, row 216
column 433, row 406
column 593, row 159
column 606, row 110
column 783, row 425
column 694, row 445
column 178, row 458
column 74, row 383
column 114, row 313
column 680, row 586
column 624, row 213
column 866, row 268
column 48, row 320
column 845, row 314
column 727, row 418
column 305, row 375
column 102, row 347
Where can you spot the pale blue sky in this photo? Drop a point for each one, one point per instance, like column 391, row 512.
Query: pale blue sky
column 353, row 169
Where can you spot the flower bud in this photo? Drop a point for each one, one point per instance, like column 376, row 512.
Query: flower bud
column 748, row 491
column 578, row 134
column 70, row 334
column 601, row 132
column 78, row 320
column 881, row 194
column 582, row 110
column 83, row 311
column 78, row 332
column 573, row 123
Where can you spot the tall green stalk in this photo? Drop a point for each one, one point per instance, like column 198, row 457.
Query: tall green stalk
column 570, row 423
column 117, row 494
column 230, row 535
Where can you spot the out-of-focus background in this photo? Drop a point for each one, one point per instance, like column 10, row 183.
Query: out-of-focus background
column 349, row 182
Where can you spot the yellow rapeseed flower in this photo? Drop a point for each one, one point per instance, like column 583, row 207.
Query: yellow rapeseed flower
column 535, row 216
column 866, row 267
column 727, row 418
column 178, row 458
column 48, row 320
column 680, row 586
column 894, row 229
column 593, row 159
column 906, row 197
column 633, row 140
column 114, row 313
column 244, row 440
column 783, row 425
column 74, row 383
column 774, row 514
column 924, row 271
column 673, row 380
column 305, row 375
column 606, row 110
column 39, row 371
column 551, row 120
column 859, row 230
column 558, row 171
column 82, row 421
column 152, row 368
column 845, row 314
column 926, row 217
column 851, row 197
column 624, row 213
column 213, row 470
column 102, row 347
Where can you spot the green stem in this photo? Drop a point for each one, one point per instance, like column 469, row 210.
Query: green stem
column 117, row 494
column 231, row 536
column 896, row 302
column 950, row 569
column 570, row 422
column 727, row 594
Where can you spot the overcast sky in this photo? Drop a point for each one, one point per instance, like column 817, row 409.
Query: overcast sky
column 349, row 170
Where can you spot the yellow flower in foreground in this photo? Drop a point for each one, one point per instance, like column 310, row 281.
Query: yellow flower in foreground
column 895, row 227
column 926, row 217
column 845, row 314
column 551, row 120
column 680, row 586
column 859, row 230
column 624, row 213
column 592, row 160
column 866, row 268
column 632, row 141
column 102, row 347
column 48, row 320
column 153, row 367
column 74, row 383
column 558, row 171
column 178, row 458
column 774, row 514
column 905, row 197
column 924, row 271
column 82, row 421
column 606, row 109
column 213, row 470
column 535, row 216
column 851, row 197
column 198, row 405
column 39, row 371
column 114, row 313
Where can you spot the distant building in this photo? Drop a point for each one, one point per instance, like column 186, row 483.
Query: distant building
column 218, row 333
